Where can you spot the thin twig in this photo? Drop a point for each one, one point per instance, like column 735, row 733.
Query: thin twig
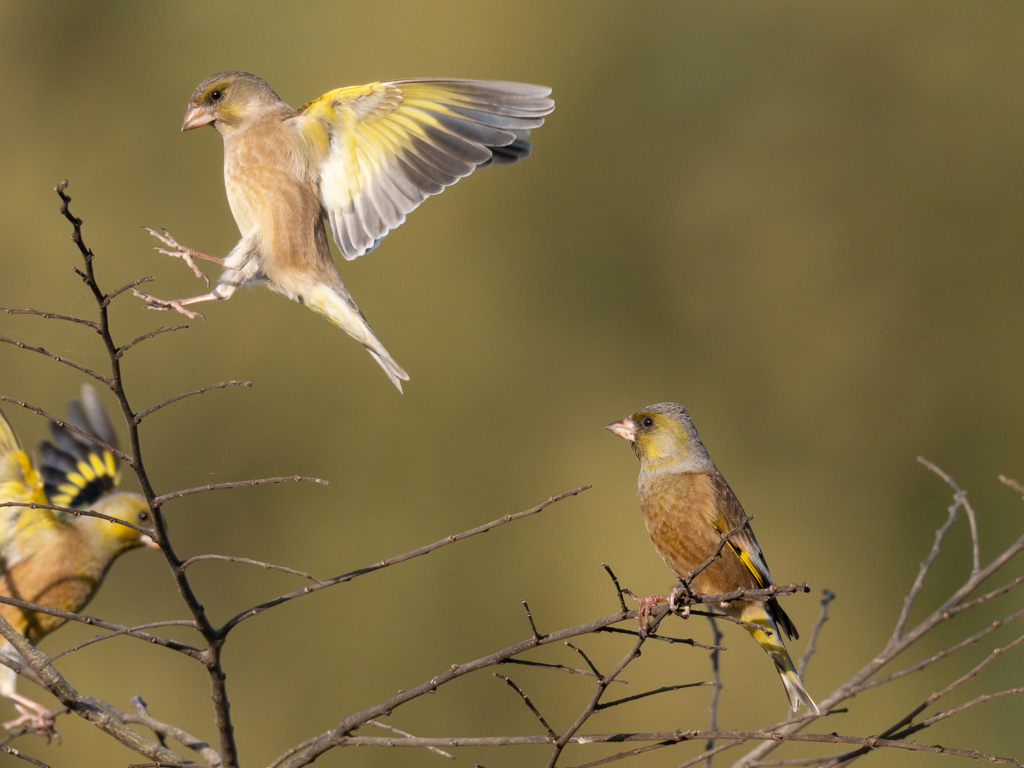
column 69, row 427
column 812, row 644
column 51, row 316
column 386, row 727
column 58, row 358
column 426, row 550
column 529, row 704
column 645, row 694
column 133, row 284
column 188, row 393
column 150, row 335
column 121, row 633
column 200, row 747
column 23, row 756
column 960, row 496
column 247, row 561
column 558, row 668
column 716, row 678
column 164, row 642
column 161, row 500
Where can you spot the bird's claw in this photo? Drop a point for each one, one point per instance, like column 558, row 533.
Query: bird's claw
column 647, row 604
column 35, row 717
column 179, row 251
column 673, row 603
column 162, row 305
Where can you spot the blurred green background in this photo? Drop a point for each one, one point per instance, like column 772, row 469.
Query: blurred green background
column 801, row 220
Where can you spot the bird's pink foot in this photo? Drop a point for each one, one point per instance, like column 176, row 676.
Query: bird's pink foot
column 33, row 714
column 673, row 601
column 152, row 302
column 179, row 251
column 647, row 604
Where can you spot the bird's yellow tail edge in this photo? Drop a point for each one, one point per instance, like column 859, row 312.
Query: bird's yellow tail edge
column 338, row 307
column 776, row 649
column 18, row 478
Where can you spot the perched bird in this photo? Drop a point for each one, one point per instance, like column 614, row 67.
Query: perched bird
column 361, row 157
column 54, row 558
column 687, row 506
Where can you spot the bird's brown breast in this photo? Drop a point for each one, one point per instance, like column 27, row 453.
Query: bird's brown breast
column 680, row 510
column 63, row 575
column 268, row 188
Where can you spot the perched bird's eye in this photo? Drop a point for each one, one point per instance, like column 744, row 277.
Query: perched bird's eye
column 143, row 516
column 216, row 95
column 648, row 421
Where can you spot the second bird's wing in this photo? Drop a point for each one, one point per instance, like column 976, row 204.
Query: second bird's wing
column 742, row 543
column 379, row 150
column 19, row 482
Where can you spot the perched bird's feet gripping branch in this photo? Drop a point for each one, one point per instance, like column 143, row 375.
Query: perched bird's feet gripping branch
column 188, row 255
column 647, row 604
column 31, row 713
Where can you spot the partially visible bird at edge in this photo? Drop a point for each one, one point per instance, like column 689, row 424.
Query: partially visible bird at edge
column 687, row 507
column 56, row 559
column 362, row 157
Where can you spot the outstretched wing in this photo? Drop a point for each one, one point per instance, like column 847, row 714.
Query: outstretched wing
column 19, row 482
column 77, row 472
column 379, row 150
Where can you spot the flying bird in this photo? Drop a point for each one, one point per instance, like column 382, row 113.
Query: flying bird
column 360, row 157
column 56, row 559
column 687, row 506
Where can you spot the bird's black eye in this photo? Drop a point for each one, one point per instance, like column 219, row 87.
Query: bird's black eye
column 648, row 421
column 215, row 95
column 143, row 516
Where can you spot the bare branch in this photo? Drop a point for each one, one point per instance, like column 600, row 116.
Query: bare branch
column 716, row 678
column 247, row 561
column 164, row 642
column 200, row 747
column 23, row 756
column 558, row 668
column 77, row 513
column 666, row 638
column 70, row 428
column 58, row 358
column 82, row 706
column 150, row 335
column 188, row 393
column 51, row 316
column 812, row 644
column 671, row 737
column 105, row 301
column 960, row 496
column 526, row 700
column 386, row 727
column 1012, row 484
column 159, row 501
column 645, row 694
column 529, row 617
column 121, row 632
column 256, row 610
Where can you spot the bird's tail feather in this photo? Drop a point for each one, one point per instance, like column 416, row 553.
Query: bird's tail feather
column 776, row 649
column 335, row 303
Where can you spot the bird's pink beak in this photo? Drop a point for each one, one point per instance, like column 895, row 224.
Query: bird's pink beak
column 148, row 542
column 196, row 117
column 624, row 428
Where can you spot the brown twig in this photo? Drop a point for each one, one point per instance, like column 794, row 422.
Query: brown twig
column 529, row 704
column 161, row 500
column 63, row 360
column 52, row 316
column 188, row 393
column 69, row 427
column 247, row 561
column 150, row 335
column 812, row 643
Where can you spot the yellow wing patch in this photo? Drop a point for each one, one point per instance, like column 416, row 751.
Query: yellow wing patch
column 722, row 526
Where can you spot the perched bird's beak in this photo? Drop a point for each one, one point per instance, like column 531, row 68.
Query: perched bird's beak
column 148, row 542
column 624, row 428
column 196, row 117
